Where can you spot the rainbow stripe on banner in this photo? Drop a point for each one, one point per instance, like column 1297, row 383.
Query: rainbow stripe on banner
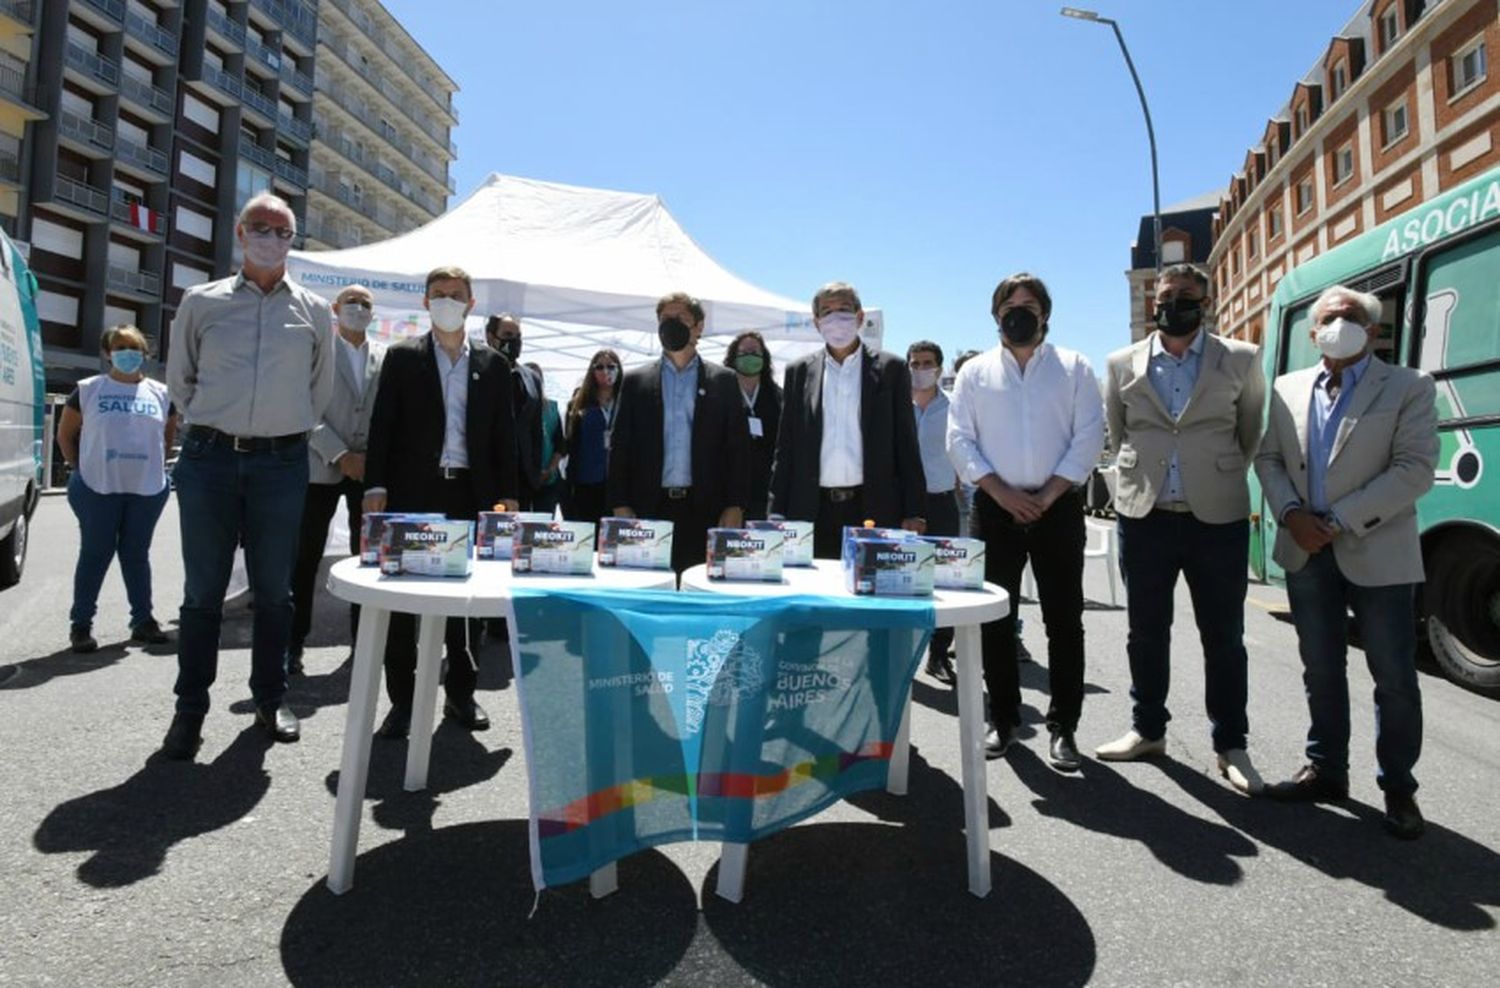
column 651, row 717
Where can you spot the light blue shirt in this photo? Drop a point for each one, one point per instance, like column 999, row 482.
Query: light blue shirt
column 1323, row 418
column 932, row 440
column 454, row 376
column 679, row 395
column 1173, row 379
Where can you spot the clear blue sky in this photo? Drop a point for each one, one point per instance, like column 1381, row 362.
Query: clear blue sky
column 920, row 151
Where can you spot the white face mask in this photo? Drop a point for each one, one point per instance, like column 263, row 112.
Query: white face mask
column 839, row 329
column 354, row 318
column 1342, row 339
column 923, row 378
column 447, row 313
column 266, row 250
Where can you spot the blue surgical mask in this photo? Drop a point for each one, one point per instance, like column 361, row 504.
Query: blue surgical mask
column 127, row 361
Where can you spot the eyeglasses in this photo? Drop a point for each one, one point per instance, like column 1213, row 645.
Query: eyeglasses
column 604, row 367
column 358, row 303
column 262, row 229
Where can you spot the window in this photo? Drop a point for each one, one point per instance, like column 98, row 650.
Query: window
column 195, row 224
column 1302, row 120
column 199, row 112
column 250, row 181
column 1252, row 245
column 197, row 169
column 1273, row 154
column 1393, row 123
column 1390, row 27
column 1459, row 329
column 1304, row 196
column 1340, row 80
column 1468, row 67
column 1275, row 221
column 1234, row 261
column 1343, row 164
column 186, row 276
column 1172, row 252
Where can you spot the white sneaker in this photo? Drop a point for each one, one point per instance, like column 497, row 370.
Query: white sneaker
column 1235, row 766
column 1130, row 747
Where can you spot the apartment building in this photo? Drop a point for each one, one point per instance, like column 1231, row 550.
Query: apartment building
column 1400, row 108
column 1186, row 236
column 18, row 103
column 384, row 113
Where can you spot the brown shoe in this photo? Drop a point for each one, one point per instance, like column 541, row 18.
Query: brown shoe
column 1310, row 786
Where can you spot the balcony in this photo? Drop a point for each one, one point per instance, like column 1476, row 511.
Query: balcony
column 258, row 155
column 153, row 41
column 88, row 136
column 230, row 32
column 293, row 18
column 299, row 130
column 417, row 115
column 263, row 54
column 141, row 283
column 137, row 219
column 108, row 14
column 96, row 71
column 259, row 102
column 147, row 97
column 342, row 99
column 10, row 160
column 84, row 199
column 398, row 57
column 299, row 81
column 23, row 12
column 290, row 173
column 364, row 206
column 140, row 157
column 222, row 83
column 13, row 86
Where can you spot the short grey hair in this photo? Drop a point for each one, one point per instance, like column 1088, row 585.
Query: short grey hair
column 266, row 200
column 1191, row 271
column 1369, row 303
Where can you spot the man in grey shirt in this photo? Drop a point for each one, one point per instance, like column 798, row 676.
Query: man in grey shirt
column 251, row 371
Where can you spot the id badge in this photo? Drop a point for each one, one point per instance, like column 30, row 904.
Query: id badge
column 756, row 428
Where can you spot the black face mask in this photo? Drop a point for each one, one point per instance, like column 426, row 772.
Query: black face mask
column 510, row 346
column 1180, row 316
column 674, row 334
column 1019, row 326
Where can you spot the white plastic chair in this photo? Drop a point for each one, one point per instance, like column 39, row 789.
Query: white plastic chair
column 1107, row 550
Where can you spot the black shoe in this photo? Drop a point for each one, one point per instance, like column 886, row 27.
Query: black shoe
column 997, row 742
column 1063, row 752
column 148, row 632
column 467, row 713
column 294, row 660
column 397, row 723
column 1402, row 818
column 1309, row 786
column 279, row 723
column 184, row 737
column 1023, row 654
column 940, row 667
column 81, row 639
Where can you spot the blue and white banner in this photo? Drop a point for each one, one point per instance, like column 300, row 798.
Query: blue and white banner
column 652, row 716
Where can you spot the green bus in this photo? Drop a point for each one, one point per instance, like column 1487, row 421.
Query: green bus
column 1436, row 268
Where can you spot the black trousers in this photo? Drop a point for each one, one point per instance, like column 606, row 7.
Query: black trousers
column 690, row 526
column 321, row 502
column 457, row 502
column 585, row 503
column 942, row 519
column 1054, row 545
column 833, row 517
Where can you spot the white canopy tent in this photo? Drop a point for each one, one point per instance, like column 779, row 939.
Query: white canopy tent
column 582, row 268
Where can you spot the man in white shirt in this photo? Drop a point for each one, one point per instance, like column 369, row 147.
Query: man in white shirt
column 336, row 458
column 847, row 447
column 1026, row 425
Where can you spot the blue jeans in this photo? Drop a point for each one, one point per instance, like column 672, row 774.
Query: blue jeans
column 1321, row 596
column 1214, row 559
column 110, row 524
column 225, row 498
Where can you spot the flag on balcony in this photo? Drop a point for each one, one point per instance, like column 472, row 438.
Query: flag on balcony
column 144, row 219
column 651, row 717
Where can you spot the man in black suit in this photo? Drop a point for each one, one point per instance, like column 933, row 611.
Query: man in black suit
column 678, row 449
column 503, row 333
column 442, row 438
column 847, row 450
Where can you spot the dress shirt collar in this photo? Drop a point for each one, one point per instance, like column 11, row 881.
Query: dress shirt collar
column 668, row 367
column 1348, row 378
column 1039, row 356
column 1158, row 349
column 240, row 281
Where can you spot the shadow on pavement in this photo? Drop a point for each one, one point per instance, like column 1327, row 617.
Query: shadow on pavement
column 458, row 760
column 131, row 827
column 64, row 662
column 871, row 904
column 451, row 906
column 1100, row 799
column 1444, row 878
column 934, row 801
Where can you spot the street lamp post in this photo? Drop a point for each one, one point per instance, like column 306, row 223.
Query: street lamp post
column 1089, row 15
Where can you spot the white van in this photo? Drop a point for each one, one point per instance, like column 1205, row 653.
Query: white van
column 22, row 390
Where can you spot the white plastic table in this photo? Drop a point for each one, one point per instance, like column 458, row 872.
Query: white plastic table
column 486, row 593
column 962, row 610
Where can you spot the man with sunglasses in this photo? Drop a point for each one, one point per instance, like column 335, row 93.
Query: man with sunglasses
column 336, row 458
column 251, row 369
column 1185, row 411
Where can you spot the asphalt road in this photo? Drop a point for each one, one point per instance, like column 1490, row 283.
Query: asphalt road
column 121, row 869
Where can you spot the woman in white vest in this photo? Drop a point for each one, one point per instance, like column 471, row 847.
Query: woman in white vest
column 115, row 432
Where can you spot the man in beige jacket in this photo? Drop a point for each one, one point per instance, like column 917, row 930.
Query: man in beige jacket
column 1350, row 446
column 1184, row 412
